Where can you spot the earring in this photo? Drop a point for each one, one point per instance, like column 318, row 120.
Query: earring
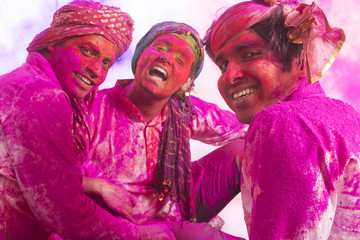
column 189, row 85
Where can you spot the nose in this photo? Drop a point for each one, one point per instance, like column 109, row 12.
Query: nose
column 234, row 73
column 94, row 68
column 164, row 58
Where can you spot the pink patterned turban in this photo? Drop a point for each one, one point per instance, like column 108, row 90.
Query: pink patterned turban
column 83, row 18
column 307, row 25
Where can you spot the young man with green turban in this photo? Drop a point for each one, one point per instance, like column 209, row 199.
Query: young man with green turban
column 142, row 130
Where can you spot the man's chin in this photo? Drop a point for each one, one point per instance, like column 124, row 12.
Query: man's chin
column 244, row 118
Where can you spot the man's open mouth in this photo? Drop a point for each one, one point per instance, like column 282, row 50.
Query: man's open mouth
column 159, row 72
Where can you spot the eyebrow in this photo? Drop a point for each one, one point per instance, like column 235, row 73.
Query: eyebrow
column 183, row 52
column 240, row 47
column 90, row 45
column 97, row 50
column 167, row 43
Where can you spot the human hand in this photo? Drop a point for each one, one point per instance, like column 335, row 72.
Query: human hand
column 156, row 232
column 116, row 198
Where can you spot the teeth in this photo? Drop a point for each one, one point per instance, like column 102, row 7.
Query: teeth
column 244, row 93
column 84, row 79
column 161, row 70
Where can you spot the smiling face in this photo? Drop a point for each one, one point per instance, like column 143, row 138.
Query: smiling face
column 164, row 67
column 82, row 63
column 251, row 79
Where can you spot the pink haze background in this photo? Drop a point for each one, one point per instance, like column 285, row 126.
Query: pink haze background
column 20, row 20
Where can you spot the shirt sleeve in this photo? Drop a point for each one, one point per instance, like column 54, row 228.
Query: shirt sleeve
column 88, row 167
column 39, row 135
column 289, row 185
column 213, row 125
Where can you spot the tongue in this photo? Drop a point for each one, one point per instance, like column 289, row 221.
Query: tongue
column 157, row 78
column 157, row 74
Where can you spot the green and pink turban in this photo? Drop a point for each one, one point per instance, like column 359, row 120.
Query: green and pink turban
column 307, row 25
column 83, row 18
column 181, row 30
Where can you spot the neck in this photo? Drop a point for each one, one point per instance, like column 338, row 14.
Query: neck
column 147, row 104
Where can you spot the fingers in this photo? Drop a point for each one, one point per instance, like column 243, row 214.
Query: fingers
column 129, row 201
column 132, row 200
column 126, row 215
column 123, row 204
column 128, row 208
column 118, row 199
column 122, row 210
column 157, row 232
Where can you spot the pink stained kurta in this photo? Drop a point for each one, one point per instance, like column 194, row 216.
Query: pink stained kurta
column 40, row 181
column 125, row 146
column 301, row 169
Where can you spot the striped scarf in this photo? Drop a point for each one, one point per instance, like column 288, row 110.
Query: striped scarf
column 81, row 129
column 173, row 175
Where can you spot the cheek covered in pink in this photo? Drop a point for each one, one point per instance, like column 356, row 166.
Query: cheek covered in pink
column 74, row 57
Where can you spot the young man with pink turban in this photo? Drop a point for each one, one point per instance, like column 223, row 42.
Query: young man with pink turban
column 44, row 133
column 300, row 173
column 141, row 140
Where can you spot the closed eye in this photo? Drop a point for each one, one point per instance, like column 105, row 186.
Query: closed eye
column 160, row 49
column 180, row 59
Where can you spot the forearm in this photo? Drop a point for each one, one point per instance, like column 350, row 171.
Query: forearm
column 217, row 179
column 91, row 185
column 213, row 125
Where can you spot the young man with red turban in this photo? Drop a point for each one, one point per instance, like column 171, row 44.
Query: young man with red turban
column 44, row 131
column 300, row 173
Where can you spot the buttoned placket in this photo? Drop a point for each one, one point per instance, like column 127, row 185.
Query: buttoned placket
column 152, row 137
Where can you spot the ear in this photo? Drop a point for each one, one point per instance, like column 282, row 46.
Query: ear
column 300, row 65
column 187, row 84
column 302, row 73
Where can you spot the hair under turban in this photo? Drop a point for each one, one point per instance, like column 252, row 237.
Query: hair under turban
column 182, row 30
column 83, row 18
column 307, row 25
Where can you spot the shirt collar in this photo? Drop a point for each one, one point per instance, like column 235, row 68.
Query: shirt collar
column 120, row 93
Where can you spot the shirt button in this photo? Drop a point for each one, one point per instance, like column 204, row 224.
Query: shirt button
column 150, row 146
